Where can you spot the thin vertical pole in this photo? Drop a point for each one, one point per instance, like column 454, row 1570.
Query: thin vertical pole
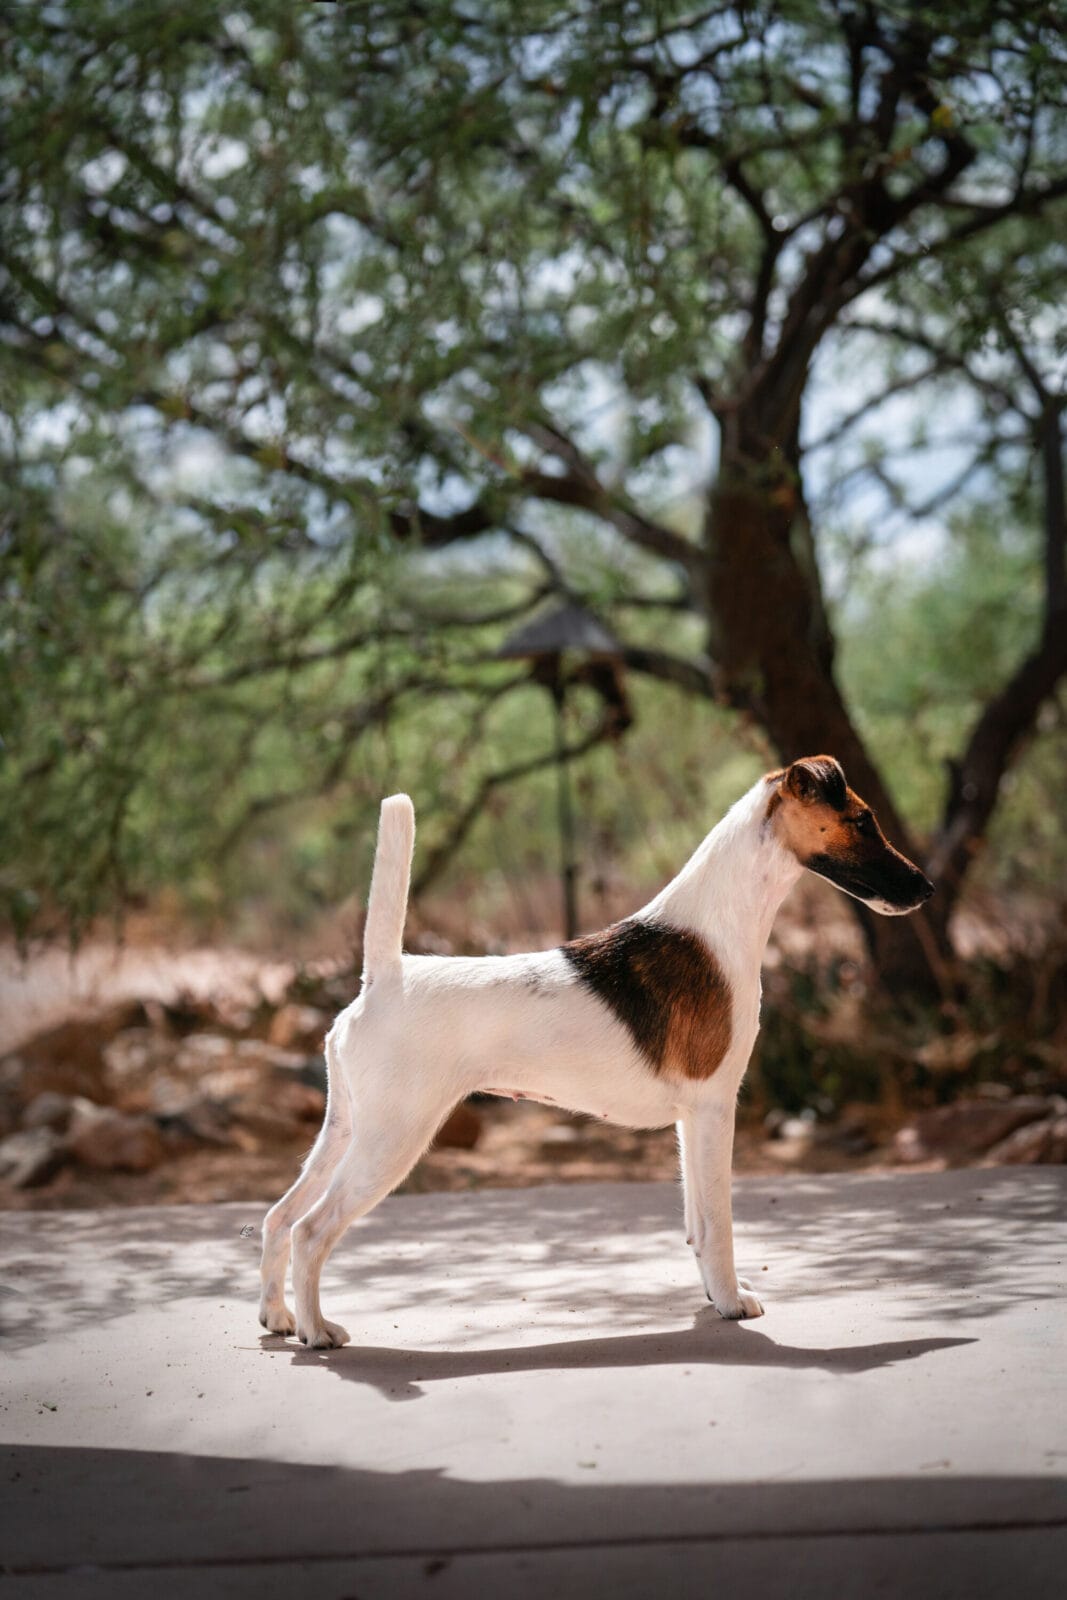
column 568, row 869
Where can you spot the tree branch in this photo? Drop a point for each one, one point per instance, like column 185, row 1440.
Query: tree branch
column 696, row 677
column 1026, row 204
column 580, row 486
column 356, row 721
column 1010, row 716
column 296, row 660
column 439, row 857
column 901, row 386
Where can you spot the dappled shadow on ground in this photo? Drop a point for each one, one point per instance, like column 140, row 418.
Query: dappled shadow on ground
column 401, row 1374
column 59, row 1510
column 963, row 1245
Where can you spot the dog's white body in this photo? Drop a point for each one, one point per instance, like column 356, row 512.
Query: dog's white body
column 511, row 1025
column 428, row 1030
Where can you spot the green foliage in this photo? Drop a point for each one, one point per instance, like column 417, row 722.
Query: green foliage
column 336, row 339
column 925, row 644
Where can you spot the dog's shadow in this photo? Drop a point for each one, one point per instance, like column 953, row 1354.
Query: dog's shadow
column 400, row 1374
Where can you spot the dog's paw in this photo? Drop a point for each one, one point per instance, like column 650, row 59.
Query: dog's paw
column 323, row 1336
column 739, row 1306
column 277, row 1319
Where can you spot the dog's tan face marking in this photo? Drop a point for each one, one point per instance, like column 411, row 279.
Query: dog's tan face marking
column 667, row 989
column 833, row 832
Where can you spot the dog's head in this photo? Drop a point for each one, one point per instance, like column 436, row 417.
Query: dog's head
column 831, row 831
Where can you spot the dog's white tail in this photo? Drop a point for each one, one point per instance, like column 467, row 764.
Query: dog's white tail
column 387, row 906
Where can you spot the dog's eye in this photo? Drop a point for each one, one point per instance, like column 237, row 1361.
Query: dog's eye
column 865, row 823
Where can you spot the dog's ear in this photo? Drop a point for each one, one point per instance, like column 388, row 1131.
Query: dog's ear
column 817, row 778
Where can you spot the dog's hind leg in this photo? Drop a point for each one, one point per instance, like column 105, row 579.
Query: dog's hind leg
column 385, row 1146
column 334, row 1136
column 686, row 1136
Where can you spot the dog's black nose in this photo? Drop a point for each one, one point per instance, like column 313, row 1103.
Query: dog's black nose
column 927, row 889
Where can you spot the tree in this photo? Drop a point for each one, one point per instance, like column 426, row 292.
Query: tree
column 996, row 325
column 378, row 267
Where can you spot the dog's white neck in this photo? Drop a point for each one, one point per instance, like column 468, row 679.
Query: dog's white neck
column 731, row 887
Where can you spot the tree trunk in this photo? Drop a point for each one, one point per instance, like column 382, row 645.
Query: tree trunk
column 774, row 656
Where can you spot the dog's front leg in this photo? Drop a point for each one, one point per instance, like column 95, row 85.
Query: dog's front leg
column 707, row 1145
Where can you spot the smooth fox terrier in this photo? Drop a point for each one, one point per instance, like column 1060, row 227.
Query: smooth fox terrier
column 647, row 1023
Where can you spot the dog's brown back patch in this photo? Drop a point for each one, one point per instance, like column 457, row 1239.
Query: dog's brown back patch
column 666, row 987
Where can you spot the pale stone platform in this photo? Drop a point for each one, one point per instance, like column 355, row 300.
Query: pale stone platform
column 537, row 1400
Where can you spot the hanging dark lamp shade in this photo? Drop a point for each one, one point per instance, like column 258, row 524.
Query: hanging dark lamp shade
column 565, row 627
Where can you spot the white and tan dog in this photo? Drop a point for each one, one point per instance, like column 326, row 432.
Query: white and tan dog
column 647, row 1023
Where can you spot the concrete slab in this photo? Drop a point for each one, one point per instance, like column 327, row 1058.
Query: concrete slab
column 537, row 1400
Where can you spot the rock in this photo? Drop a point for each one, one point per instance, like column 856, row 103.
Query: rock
column 158, row 1073
column 1037, row 1143
column 283, row 1066
column 297, row 1027
column 69, row 1058
column 226, row 1083
column 201, row 1052
column 30, row 1158
column 111, row 1141
column 461, row 1130
column 161, row 1095
column 558, row 1143
column 967, row 1129
column 136, row 1055
column 272, row 1058
column 187, row 1013
column 313, row 1072
column 278, row 1110
column 908, row 1148
column 802, row 1128
column 851, row 1138
column 9, row 1110
column 254, row 1077
column 297, row 1100
column 198, row 1120
column 778, row 1124
column 49, row 1109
